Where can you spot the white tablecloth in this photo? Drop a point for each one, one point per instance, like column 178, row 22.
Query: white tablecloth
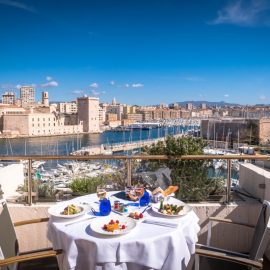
column 148, row 246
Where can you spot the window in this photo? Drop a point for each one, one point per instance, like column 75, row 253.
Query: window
column 33, row 119
column 44, row 125
column 33, row 125
column 38, row 119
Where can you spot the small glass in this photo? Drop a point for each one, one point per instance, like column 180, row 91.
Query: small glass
column 105, row 207
column 101, row 192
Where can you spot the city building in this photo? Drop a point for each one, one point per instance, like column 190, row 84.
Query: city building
column 39, row 124
column 67, row 107
column 136, row 117
column 9, row 98
column 45, row 99
column 102, row 115
column 203, row 106
column 27, row 95
column 88, row 112
column 189, row 106
column 237, row 130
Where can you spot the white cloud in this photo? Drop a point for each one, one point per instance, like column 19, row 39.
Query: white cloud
column 97, row 93
column 78, row 92
column 243, row 13
column 226, row 95
column 49, row 84
column 136, row 85
column 262, row 97
column 49, row 78
column 112, row 82
column 18, row 5
column 126, row 85
column 94, row 85
column 18, row 86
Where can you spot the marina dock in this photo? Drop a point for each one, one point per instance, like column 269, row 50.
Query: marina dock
column 117, row 147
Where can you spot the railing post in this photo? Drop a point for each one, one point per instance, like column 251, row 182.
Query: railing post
column 129, row 171
column 229, row 180
column 30, row 182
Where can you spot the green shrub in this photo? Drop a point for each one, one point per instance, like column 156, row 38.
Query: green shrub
column 86, row 185
column 190, row 175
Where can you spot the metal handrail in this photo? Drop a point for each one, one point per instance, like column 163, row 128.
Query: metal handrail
column 133, row 157
column 229, row 158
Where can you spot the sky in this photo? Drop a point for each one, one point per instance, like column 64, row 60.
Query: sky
column 140, row 51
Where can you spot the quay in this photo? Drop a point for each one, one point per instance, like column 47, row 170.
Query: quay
column 117, row 147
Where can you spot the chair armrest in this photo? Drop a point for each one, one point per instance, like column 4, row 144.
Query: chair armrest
column 229, row 221
column 222, row 250
column 30, row 221
column 230, row 258
column 29, row 257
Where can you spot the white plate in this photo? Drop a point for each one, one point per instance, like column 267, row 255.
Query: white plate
column 97, row 225
column 58, row 209
column 187, row 208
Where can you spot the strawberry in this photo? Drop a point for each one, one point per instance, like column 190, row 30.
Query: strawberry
column 141, row 215
column 123, row 227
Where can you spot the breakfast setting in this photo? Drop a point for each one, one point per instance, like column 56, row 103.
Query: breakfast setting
column 122, row 223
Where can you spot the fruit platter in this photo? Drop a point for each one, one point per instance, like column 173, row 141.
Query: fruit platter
column 109, row 226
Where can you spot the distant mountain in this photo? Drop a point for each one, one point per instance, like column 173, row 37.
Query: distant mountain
column 208, row 103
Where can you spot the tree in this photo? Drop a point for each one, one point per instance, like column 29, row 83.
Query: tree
column 190, row 175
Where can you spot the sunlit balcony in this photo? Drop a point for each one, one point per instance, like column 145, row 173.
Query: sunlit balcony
column 236, row 199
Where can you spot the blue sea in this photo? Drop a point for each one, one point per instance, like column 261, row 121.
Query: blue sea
column 64, row 145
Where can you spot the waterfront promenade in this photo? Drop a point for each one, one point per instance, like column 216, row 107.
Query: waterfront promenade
column 117, row 147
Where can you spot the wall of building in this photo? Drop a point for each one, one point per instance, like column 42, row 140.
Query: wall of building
column 88, row 112
column 265, row 131
column 255, row 180
column 231, row 130
column 15, row 125
column 11, row 176
column 40, row 124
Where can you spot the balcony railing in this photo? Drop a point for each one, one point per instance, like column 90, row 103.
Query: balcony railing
column 128, row 162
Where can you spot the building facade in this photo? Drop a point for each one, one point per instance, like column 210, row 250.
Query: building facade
column 39, row 124
column 9, row 98
column 67, row 107
column 88, row 112
column 27, row 95
column 45, row 99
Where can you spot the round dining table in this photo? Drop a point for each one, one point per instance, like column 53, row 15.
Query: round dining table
column 156, row 242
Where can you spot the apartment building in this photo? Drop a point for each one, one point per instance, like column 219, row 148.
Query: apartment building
column 9, row 98
column 27, row 95
column 67, row 107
